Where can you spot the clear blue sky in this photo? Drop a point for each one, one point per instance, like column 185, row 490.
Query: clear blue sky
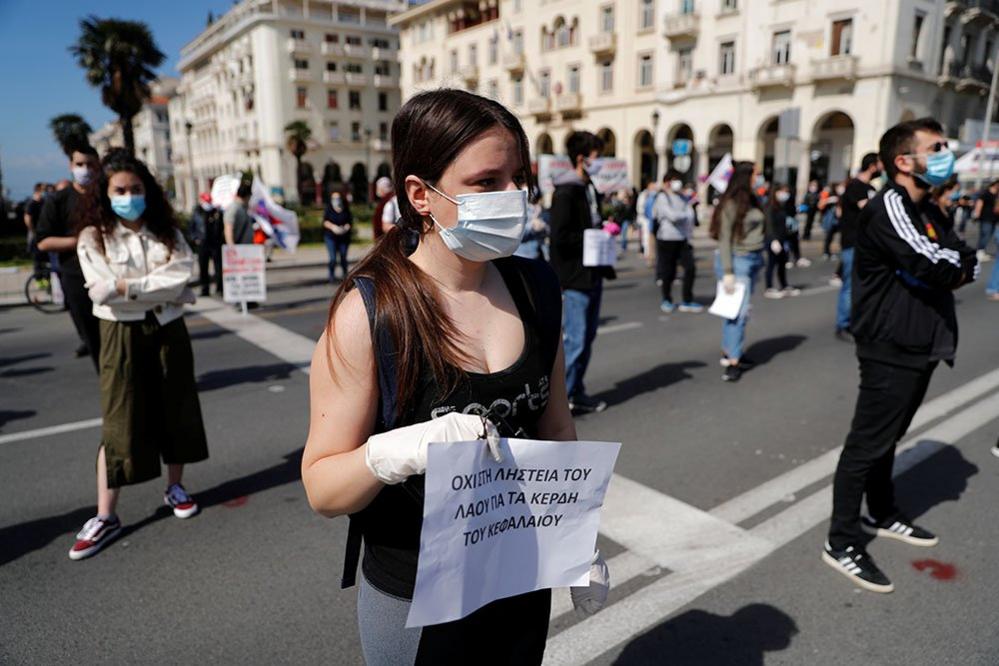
column 39, row 78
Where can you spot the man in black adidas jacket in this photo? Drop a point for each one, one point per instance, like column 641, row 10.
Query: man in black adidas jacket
column 907, row 264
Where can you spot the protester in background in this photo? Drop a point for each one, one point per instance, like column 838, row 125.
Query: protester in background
column 644, row 223
column 337, row 225
column 992, row 289
column 206, row 233
column 985, row 215
column 907, row 267
column 829, row 205
column 674, row 220
column 237, row 225
column 622, row 212
column 137, row 266
column 962, row 215
column 32, row 215
column 384, row 192
column 775, row 238
column 533, row 243
column 855, row 196
column 413, row 348
column 737, row 223
column 576, row 208
column 56, row 233
column 945, row 197
column 811, row 205
column 793, row 242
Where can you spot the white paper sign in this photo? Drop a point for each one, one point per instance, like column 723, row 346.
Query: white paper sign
column 726, row 305
column 599, row 248
column 243, row 273
column 494, row 530
column 611, row 176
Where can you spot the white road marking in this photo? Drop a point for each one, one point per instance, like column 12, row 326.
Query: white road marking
column 750, row 503
column 617, row 328
column 50, row 430
column 623, row 568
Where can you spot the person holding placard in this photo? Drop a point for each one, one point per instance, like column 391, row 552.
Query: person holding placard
column 738, row 225
column 420, row 348
column 137, row 266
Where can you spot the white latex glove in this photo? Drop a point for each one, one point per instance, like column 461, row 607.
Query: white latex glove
column 395, row 455
column 590, row 599
column 728, row 282
column 537, row 225
column 102, row 291
column 776, row 246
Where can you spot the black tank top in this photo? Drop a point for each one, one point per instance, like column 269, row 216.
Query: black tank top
column 391, row 524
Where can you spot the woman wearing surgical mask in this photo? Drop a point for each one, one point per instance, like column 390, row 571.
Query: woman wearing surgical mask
column 453, row 342
column 738, row 225
column 337, row 225
column 776, row 236
column 137, row 266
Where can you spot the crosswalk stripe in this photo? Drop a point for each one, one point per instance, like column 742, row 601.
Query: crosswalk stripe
column 623, row 568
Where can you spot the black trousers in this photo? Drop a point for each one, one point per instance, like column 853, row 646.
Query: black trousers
column 668, row 255
column 778, row 262
column 809, row 221
column 888, row 399
column 827, row 243
column 81, row 310
column 210, row 252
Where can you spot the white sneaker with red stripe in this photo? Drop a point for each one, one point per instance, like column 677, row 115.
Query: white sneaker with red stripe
column 183, row 505
column 96, row 533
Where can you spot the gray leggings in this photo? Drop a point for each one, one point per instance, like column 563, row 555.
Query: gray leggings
column 381, row 618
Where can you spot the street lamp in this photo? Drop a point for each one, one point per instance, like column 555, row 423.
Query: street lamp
column 367, row 159
column 192, row 185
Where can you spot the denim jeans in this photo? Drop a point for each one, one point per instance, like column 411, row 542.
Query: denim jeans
column 533, row 249
column 985, row 232
column 745, row 267
column 845, row 292
column 336, row 248
column 993, row 286
column 581, row 315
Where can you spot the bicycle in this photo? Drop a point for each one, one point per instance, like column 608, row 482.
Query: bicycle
column 43, row 290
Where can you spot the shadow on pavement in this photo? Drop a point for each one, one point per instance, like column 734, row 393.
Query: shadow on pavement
column 23, row 538
column 699, row 638
column 210, row 333
column 927, row 485
column 25, row 372
column 763, row 351
column 651, row 380
column 11, row 360
column 217, row 379
column 7, row 415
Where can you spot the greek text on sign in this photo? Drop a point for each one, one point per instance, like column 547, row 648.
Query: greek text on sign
column 243, row 273
column 494, row 530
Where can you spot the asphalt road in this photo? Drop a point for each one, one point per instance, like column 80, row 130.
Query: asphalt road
column 254, row 577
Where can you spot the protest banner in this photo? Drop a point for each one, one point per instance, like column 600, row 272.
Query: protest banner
column 494, row 530
column 243, row 273
column 610, row 174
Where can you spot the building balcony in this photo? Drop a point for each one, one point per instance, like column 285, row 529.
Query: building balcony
column 514, row 62
column 682, row 26
column 772, row 76
column 835, row 68
column 385, row 81
column 331, row 49
column 335, row 78
column 539, row 105
column 355, row 50
column 299, row 46
column 469, row 73
column 970, row 78
column 568, row 102
column 603, row 43
column 300, row 75
column 355, row 79
column 380, row 53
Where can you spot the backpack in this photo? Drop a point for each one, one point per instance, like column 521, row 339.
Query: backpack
column 650, row 202
column 545, row 297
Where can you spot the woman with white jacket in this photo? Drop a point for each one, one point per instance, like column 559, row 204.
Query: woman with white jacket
column 137, row 266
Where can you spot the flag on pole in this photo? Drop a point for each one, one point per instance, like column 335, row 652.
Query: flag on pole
column 276, row 221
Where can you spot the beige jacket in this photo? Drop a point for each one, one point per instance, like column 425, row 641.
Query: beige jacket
column 155, row 278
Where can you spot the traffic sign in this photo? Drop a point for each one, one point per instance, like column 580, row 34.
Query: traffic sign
column 682, row 147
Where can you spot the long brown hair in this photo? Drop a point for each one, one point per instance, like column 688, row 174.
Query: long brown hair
column 740, row 193
column 428, row 133
column 95, row 205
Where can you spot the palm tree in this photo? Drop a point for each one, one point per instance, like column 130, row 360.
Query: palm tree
column 70, row 128
column 297, row 135
column 118, row 57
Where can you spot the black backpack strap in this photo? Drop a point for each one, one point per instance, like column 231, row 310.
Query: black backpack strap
column 545, row 296
column 381, row 340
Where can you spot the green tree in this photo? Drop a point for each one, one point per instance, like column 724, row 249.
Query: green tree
column 297, row 135
column 118, row 57
column 70, row 128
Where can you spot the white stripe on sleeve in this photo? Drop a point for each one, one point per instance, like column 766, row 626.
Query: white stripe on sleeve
column 903, row 226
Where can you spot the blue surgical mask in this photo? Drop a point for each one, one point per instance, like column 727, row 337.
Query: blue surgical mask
column 490, row 224
column 128, row 206
column 939, row 168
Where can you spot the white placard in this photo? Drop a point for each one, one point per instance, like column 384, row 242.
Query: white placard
column 726, row 305
column 494, row 530
column 244, row 276
column 599, row 248
column 611, row 174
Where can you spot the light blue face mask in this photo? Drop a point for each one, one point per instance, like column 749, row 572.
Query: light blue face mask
column 128, row 206
column 939, row 168
column 489, row 226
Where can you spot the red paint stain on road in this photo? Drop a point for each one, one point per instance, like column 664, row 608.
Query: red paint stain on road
column 938, row 570
column 238, row 501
